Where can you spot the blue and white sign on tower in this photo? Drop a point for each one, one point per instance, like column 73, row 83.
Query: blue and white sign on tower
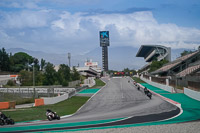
column 104, row 38
column 104, row 43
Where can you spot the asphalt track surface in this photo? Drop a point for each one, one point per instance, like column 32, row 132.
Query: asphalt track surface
column 118, row 99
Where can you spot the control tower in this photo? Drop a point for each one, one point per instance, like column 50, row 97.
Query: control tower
column 104, row 43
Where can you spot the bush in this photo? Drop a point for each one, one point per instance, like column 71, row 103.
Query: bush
column 11, row 83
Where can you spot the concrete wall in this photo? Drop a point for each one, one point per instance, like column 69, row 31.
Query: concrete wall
column 57, row 99
column 191, row 93
column 89, row 81
column 74, row 83
column 161, row 86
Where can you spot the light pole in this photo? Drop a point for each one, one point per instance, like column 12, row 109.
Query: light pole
column 69, row 58
column 33, row 81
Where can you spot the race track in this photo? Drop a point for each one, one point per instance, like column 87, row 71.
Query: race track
column 118, row 99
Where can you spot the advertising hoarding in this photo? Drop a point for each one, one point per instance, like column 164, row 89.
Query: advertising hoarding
column 104, row 38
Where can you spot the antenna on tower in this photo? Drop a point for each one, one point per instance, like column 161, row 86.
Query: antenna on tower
column 69, row 58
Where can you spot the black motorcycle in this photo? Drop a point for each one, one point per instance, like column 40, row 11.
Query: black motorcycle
column 6, row 121
column 52, row 115
column 149, row 94
column 145, row 91
column 138, row 88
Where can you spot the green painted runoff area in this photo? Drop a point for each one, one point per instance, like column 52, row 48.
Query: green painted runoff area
column 86, row 91
column 58, row 125
column 191, row 107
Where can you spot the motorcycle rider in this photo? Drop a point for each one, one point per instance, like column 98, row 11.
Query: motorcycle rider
column 2, row 115
column 49, row 112
column 149, row 94
column 145, row 90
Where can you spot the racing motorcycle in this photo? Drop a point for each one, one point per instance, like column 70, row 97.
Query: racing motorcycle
column 52, row 115
column 149, row 94
column 6, row 121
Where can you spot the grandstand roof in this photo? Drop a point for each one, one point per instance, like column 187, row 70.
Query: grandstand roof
column 173, row 64
column 144, row 50
column 149, row 52
column 188, row 70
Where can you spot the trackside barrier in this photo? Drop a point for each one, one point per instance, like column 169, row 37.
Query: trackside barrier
column 39, row 102
column 164, row 87
column 4, row 105
column 7, row 105
column 53, row 100
column 12, row 105
column 191, row 93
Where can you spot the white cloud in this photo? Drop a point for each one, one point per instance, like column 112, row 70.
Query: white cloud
column 79, row 32
column 25, row 19
column 125, row 29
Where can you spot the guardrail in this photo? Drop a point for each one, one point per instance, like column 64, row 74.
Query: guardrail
column 59, row 98
column 162, row 86
column 192, row 93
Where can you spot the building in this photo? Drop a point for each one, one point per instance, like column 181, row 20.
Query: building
column 90, row 69
column 181, row 66
column 153, row 52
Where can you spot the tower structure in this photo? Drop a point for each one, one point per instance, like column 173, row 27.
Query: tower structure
column 104, row 43
column 69, row 59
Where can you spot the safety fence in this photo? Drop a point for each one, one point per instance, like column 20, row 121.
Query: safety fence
column 159, row 80
column 194, row 85
column 177, row 82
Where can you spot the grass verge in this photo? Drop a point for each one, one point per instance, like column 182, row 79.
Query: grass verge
column 5, row 97
column 138, row 80
column 66, row 107
column 99, row 84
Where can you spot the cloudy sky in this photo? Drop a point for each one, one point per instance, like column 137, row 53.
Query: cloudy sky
column 61, row 26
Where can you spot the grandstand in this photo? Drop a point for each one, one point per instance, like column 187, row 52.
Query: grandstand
column 181, row 66
column 153, row 52
column 189, row 70
column 182, row 72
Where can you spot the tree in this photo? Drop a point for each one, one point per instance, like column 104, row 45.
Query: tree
column 75, row 75
column 64, row 75
column 185, row 52
column 157, row 64
column 21, row 61
column 4, row 60
column 42, row 65
column 26, row 78
column 49, row 74
column 36, row 64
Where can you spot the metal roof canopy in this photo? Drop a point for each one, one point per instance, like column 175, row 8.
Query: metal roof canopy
column 145, row 50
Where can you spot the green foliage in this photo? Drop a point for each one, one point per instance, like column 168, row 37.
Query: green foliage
column 185, row 52
column 25, row 101
column 14, row 97
column 45, row 73
column 98, row 84
column 20, row 61
column 36, row 64
column 43, row 63
column 82, row 79
column 157, row 64
column 75, row 75
column 64, row 75
column 26, row 78
column 4, row 60
column 49, row 74
column 11, row 83
column 138, row 80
